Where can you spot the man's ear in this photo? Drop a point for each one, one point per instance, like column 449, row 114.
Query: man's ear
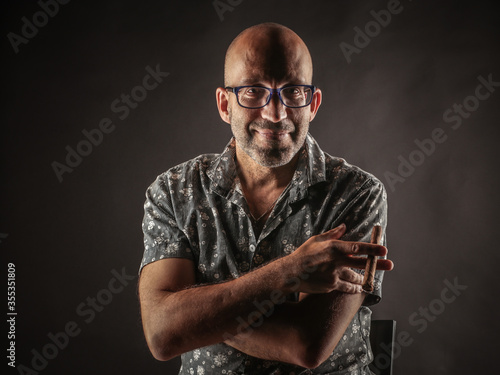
column 315, row 103
column 222, row 103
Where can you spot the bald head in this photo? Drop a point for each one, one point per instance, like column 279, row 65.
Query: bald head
column 267, row 52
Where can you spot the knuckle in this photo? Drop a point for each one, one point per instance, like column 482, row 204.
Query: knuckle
column 355, row 277
column 348, row 289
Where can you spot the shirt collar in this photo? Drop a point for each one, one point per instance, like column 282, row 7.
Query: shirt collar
column 222, row 171
column 310, row 168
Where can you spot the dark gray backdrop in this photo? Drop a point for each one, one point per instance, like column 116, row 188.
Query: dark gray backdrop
column 70, row 239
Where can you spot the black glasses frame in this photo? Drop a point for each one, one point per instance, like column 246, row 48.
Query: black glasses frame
column 235, row 90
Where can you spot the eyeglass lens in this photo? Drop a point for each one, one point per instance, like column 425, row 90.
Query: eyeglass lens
column 293, row 96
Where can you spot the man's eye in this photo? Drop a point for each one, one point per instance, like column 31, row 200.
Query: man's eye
column 293, row 91
column 254, row 91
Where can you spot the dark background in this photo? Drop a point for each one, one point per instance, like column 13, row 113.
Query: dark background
column 66, row 238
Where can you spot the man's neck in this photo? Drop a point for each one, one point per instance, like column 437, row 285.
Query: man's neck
column 254, row 176
column 262, row 186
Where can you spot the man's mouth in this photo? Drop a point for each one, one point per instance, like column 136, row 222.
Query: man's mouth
column 272, row 135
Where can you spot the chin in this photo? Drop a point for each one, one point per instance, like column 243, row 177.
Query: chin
column 273, row 158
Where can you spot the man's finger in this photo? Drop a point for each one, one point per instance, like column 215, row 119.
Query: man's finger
column 335, row 233
column 346, row 287
column 358, row 248
column 360, row 263
column 350, row 276
column 385, row 264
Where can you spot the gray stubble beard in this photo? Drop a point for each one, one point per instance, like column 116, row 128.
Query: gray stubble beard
column 269, row 158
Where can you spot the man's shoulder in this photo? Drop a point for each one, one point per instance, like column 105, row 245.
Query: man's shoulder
column 341, row 172
column 187, row 172
column 199, row 163
column 323, row 167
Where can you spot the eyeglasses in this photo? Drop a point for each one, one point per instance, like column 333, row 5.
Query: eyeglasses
column 253, row 97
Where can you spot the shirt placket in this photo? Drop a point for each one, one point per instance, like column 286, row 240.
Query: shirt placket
column 278, row 216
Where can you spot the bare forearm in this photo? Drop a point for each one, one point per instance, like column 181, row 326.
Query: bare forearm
column 191, row 318
column 303, row 333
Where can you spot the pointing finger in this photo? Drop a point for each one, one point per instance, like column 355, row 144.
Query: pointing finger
column 358, row 248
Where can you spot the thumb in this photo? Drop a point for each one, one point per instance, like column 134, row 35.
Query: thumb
column 336, row 232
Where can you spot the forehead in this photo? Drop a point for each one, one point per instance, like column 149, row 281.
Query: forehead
column 262, row 60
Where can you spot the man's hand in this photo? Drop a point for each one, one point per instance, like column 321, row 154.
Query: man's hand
column 324, row 262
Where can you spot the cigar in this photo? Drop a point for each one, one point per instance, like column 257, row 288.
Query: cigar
column 371, row 263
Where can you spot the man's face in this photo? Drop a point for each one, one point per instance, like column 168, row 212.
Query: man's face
column 271, row 135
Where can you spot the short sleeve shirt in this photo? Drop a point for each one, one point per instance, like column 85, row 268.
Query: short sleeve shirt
column 197, row 211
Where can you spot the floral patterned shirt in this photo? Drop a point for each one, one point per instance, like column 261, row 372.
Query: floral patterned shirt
column 197, row 211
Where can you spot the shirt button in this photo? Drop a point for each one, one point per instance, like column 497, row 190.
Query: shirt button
column 252, row 248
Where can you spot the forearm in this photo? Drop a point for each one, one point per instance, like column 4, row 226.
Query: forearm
column 303, row 333
column 177, row 322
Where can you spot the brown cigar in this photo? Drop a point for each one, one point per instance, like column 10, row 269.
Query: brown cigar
column 371, row 263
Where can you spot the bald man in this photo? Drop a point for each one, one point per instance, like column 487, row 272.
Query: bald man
column 253, row 257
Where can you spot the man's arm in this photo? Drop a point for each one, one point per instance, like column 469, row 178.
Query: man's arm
column 303, row 333
column 177, row 320
column 311, row 328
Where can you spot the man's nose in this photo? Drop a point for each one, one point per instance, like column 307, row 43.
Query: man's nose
column 274, row 111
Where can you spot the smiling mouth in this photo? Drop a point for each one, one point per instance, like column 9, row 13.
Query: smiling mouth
column 272, row 135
